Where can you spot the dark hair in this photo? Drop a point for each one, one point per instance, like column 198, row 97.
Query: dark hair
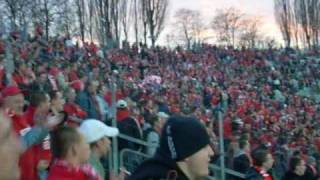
column 243, row 143
column 294, row 162
column 62, row 139
column 37, row 98
column 260, row 156
column 53, row 94
column 245, row 136
column 19, row 64
column 152, row 119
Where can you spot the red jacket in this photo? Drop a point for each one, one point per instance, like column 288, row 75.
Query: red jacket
column 29, row 114
column 122, row 114
column 27, row 159
column 73, row 109
column 42, row 151
column 19, row 79
column 61, row 173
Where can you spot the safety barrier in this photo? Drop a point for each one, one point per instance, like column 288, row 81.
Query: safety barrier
column 139, row 157
column 215, row 168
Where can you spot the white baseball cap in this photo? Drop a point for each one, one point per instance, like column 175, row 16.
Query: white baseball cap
column 122, row 104
column 93, row 130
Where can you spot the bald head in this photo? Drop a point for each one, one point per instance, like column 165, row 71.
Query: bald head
column 13, row 99
column 15, row 103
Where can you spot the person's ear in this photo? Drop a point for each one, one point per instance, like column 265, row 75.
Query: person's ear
column 74, row 150
column 99, row 143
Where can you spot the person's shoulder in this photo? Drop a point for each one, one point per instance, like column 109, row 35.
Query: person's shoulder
column 61, row 173
column 156, row 169
column 153, row 134
column 291, row 176
column 253, row 174
column 241, row 156
column 149, row 169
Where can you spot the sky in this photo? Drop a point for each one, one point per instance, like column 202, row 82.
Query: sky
column 261, row 8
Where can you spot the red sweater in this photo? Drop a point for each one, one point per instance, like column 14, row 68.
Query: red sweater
column 42, row 151
column 61, row 173
column 73, row 109
column 122, row 114
column 27, row 159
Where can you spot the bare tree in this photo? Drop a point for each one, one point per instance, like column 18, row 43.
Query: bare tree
column 91, row 18
column 115, row 8
column 65, row 19
column 46, row 15
column 45, row 11
column 303, row 18
column 299, row 19
column 284, row 16
column 155, row 11
column 227, row 24
column 135, row 7
column 144, row 17
column 314, row 16
column 81, row 12
column 125, row 17
column 109, row 21
column 102, row 20
column 250, row 32
column 189, row 25
column 17, row 11
column 198, row 27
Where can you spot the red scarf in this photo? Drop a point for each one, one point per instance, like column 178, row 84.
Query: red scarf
column 86, row 169
column 264, row 173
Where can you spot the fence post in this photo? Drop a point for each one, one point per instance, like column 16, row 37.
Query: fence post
column 221, row 143
column 115, row 159
column 8, row 63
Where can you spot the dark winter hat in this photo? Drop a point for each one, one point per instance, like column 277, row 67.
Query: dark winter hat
column 182, row 137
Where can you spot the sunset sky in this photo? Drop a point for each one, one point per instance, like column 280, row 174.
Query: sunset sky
column 261, row 8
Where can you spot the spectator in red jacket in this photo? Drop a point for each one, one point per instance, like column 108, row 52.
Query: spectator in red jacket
column 74, row 111
column 13, row 101
column 36, row 113
column 122, row 110
column 71, row 153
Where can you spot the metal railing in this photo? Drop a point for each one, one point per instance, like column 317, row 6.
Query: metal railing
column 135, row 140
column 227, row 171
column 130, row 151
column 143, row 156
column 222, row 169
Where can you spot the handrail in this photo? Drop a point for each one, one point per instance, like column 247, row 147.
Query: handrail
column 211, row 166
column 135, row 140
column 131, row 151
column 228, row 171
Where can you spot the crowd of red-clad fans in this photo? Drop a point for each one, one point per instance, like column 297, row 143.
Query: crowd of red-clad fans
column 267, row 97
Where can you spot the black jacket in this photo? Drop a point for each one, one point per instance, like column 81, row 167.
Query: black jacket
column 158, row 168
column 253, row 174
column 310, row 175
column 292, row 176
column 129, row 127
column 241, row 163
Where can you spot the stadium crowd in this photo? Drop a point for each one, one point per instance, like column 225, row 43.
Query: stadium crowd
column 269, row 100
